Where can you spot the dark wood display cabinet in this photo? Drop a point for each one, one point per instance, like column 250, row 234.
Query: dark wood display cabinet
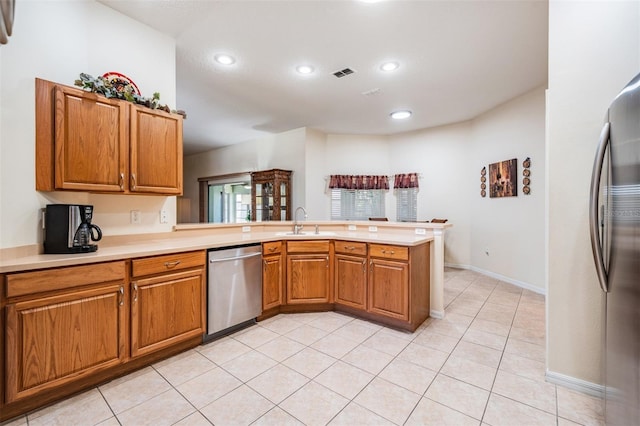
column 271, row 195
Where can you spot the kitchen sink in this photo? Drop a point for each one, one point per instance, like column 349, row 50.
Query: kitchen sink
column 306, row 234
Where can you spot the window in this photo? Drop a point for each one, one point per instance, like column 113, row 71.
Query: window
column 356, row 204
column 407, row 204
column 406, row 189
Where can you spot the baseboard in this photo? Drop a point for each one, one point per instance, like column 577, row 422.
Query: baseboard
column 436, row 314
column 579, row 385
column 517, row 283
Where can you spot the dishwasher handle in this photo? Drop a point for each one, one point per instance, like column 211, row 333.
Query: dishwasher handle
column 226, row 259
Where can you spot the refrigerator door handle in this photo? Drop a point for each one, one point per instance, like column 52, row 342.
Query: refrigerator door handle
column 596, row 244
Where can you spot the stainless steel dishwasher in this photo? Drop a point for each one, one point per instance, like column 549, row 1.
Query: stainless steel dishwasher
column 234, row 289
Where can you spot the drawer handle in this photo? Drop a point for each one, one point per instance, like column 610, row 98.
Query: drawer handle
column 121, row 291
column 389, row 251
column 272, row 249
column 170, row 265
column 135, row 292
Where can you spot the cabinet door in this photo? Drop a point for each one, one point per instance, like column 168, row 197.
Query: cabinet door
column 165, row 310
column 389, row 288
column 308, row 278
column 90, row 141
column 156, row 151
column 54, row 340
column 351, row 281
column 272, row 282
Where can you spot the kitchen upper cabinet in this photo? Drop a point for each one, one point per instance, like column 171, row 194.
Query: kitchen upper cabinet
column 62, row 326
column 167, row 301
column 87, row 142
column 156, row 151
column 272, row 275
column 351, row 274
column 308, row 272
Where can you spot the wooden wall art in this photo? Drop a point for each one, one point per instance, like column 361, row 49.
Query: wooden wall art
column 483, row 182
column 526, row 173
column 503, row 179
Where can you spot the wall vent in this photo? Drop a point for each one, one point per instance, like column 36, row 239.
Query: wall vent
column 343, row 73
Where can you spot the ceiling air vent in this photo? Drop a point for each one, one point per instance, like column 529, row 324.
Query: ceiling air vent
column 343, row 73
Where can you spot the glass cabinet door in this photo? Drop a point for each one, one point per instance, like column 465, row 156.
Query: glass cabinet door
column 270, row 192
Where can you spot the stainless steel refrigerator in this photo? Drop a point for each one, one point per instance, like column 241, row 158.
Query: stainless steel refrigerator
column 614, row 214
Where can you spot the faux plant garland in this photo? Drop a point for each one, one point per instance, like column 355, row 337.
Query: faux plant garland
column 118, row 90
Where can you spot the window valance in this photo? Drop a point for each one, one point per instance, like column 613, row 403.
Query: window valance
column 406, row 180
column 358, row 182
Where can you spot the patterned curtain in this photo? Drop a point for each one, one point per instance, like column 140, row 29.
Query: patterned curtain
column 358, row 182
column 406, row 180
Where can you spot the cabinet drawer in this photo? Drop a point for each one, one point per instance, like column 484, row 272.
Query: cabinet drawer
column 167, row 263
column 315, row 246
column 386, row 251
column 272, row 248
column 24, row 283
column 350, row 247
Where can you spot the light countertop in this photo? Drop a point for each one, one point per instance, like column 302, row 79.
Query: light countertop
column 205, row 236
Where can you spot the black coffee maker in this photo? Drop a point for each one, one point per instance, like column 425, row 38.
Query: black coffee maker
column 68, row 229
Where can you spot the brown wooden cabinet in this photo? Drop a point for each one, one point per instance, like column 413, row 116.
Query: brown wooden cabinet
column 86, row 142
column 351, row 274
column 272, row 275
column 308, row 272
column 63, row 326
column 389, row 288
column 167, row 301
column 156, row 151
column 271, row 195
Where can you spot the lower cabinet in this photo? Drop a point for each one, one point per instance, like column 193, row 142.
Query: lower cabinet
column 72, row 328
column 308, row 272
column 167, row 303
column 351, row 274
column 272, row 275
column 389, row 288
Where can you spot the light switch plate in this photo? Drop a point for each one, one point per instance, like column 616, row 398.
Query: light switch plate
column 373, row 229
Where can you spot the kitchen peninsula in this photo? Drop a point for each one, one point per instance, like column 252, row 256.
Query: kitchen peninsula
column 143, row 298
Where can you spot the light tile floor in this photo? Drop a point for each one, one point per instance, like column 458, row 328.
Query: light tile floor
column 483, row 364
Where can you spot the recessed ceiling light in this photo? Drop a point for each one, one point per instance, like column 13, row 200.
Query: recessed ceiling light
column 304, row 69
column 389, row 66
column 400, row 115
column 224, row 59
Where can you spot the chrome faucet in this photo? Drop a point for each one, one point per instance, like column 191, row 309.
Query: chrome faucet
column 297, row 228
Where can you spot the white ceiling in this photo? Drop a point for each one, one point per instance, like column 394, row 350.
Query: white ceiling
column 457, row 59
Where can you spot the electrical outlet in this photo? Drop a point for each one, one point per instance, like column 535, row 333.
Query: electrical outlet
column 486, row 251
column 351, row 227
column 246, row 229
column 136, row 217
column 421, row 231
column 373, row 229
column 164, row 217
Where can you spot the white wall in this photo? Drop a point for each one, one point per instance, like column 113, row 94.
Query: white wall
column 281, row 151
column 447, row 158
column 594, row 50
column 441, row 157
column 57, row 41
column 512, row 229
